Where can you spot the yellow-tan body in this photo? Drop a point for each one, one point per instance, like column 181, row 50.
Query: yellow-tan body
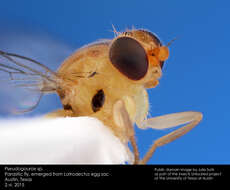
column 80, row 90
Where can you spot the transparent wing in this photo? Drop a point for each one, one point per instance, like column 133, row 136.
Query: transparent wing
column 23, row 79
column 22, row 72
column 19, row 71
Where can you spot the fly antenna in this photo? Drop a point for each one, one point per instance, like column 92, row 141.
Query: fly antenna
column 170, row 42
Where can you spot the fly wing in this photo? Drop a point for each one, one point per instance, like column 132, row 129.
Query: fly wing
column 23, row 70
column 24, row 80
column 26, row 73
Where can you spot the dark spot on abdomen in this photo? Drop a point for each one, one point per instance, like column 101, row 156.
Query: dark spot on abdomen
column 67, row 107
column 98, row 100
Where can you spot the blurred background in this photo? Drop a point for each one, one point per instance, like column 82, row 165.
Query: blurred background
column 196, row 76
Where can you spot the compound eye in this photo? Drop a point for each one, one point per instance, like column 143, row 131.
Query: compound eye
column 129, row 57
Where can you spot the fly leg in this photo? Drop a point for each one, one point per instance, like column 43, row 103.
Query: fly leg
column 122, row 119
column 168, row 121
